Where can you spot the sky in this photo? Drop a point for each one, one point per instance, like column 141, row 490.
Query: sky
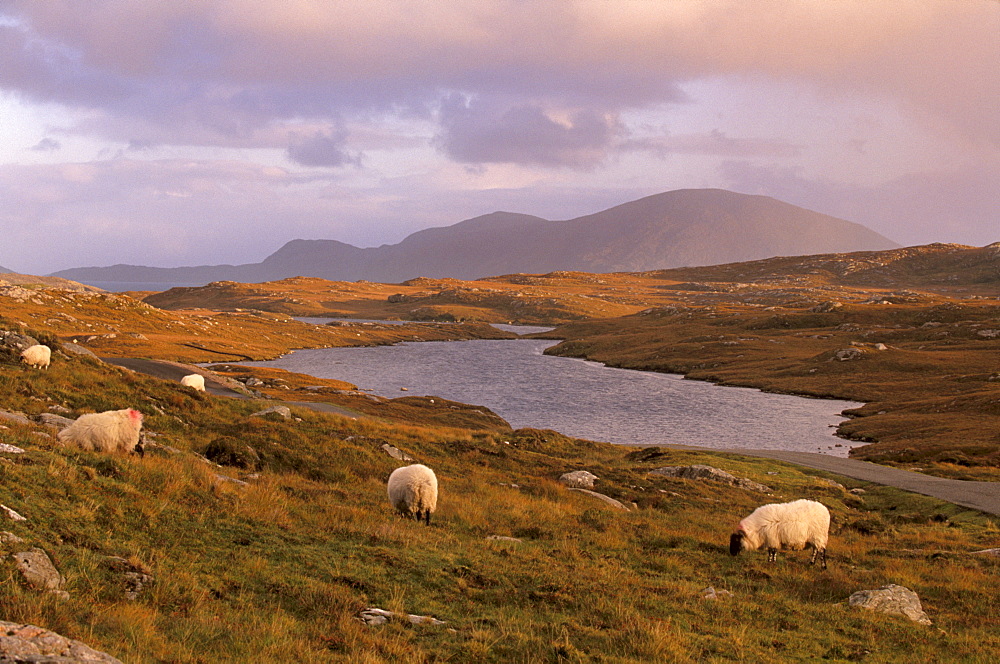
column 214, row 131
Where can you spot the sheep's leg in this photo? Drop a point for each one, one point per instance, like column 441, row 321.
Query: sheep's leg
column 823, row 557
column 812, row 559
column 427, row 517
column 772, row 555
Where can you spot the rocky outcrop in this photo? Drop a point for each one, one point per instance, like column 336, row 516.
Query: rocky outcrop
column 702, row 472
column 381, row 616
column 891, row 599
column 22, row 643
column 281, row 411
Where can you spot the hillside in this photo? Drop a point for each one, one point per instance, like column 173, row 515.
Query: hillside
column 275, row 554
column 677, row 228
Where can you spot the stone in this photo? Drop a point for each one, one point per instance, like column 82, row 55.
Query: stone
column 135, row 577
column 826, row 307
column 703, row 472
column 848, row 354
column 7, row 448
column 600, row 496
column 988, row 552
column 38, row 570
column 857, row 492
column 395, row 452
column 503, row 538
column 34, row 645
column 10, row 538
column 281, row 411
column 17, row 418
column 881, row 346
column 891, row 599
column 11, row 514
column 53, row 420
column 711, row 593
column 77, row 349
column 381, row 616
column 578, row 479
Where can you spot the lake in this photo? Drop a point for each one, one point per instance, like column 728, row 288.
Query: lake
column 581, row 398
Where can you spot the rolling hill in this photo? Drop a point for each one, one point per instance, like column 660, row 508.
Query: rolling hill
column 674, row 229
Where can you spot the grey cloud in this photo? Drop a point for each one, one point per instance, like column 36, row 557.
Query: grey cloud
column 323, row 148
column 475, row 133
column 46, row 145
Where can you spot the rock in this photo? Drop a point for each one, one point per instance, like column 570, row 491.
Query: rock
column 11, row 514
column 833, row 483
column 702, row 472
column 988, row 334
column 578, row 479
column 77, row 349
column 10, row 538
column 231, row 480
column 848, row 354
column 988, row 552
column 891, row 599
column 713, row 594
column 17, row 418
column 826, row 307
column 7, row 448
column 34, row 645
column 881, row 346
column 135, row 577
column 53, row 420
column 396, row 453
column 16, row 341
column 281, row 411
column 503, row 538
column 38, row 570
column 600, row 496
column 857, row 492
column 381, row 617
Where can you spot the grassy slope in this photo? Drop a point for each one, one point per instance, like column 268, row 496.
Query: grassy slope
column 278, row 570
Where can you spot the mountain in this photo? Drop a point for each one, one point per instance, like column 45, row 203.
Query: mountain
column 674, row 229
column 5, row 270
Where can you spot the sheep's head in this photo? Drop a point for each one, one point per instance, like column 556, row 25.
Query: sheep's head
column 736, row 543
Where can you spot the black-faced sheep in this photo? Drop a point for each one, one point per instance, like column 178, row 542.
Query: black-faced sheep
column 413, row 491
column 195, row 381
column 793, row 526
column 37, row 356
column 110, row 431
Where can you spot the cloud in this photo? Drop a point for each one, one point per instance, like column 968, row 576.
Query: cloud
column 947, row 205
column 716, row 143
column 216, row 65
column 475, row 133
column 46, row 145
column 323, row 148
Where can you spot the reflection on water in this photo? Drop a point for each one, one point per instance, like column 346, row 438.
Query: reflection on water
column 581, row 398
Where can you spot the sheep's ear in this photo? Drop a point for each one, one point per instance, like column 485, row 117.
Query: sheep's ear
column 735, row 543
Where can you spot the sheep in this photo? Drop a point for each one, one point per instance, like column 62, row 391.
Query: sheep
column 110, row 431
column 413, row 491
column 194, row 381
column 38, row 356
column 793, row 526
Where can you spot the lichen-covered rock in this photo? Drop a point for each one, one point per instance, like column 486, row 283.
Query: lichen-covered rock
column 22, row 643
column 281, row 411
column 579, row 479
column 892, row 599
column 38, row 570
column 395, row 452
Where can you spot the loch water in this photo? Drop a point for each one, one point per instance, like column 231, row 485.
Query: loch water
column 581, row 398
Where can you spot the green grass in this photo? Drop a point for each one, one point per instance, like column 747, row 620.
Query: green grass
column 279, row 569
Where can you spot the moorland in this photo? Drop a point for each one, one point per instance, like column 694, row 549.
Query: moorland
column 261, row 538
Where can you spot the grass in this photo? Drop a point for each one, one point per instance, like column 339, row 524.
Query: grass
column 280, row 568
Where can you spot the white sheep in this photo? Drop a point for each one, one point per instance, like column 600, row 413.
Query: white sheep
column 413, row 491
column 194, row 381
column 793, row 526
column 110, row 431
column 38, row 356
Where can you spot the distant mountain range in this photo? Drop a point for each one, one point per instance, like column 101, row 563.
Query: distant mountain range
column 687, row 227
column 4, row 270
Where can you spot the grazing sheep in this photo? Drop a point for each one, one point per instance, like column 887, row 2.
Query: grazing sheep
column 195, row 381
column 793, row 525
column 413, row 491
column 110, row 431
column 38, row 356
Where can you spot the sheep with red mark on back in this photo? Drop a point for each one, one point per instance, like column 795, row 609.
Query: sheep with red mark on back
column 111, row 431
